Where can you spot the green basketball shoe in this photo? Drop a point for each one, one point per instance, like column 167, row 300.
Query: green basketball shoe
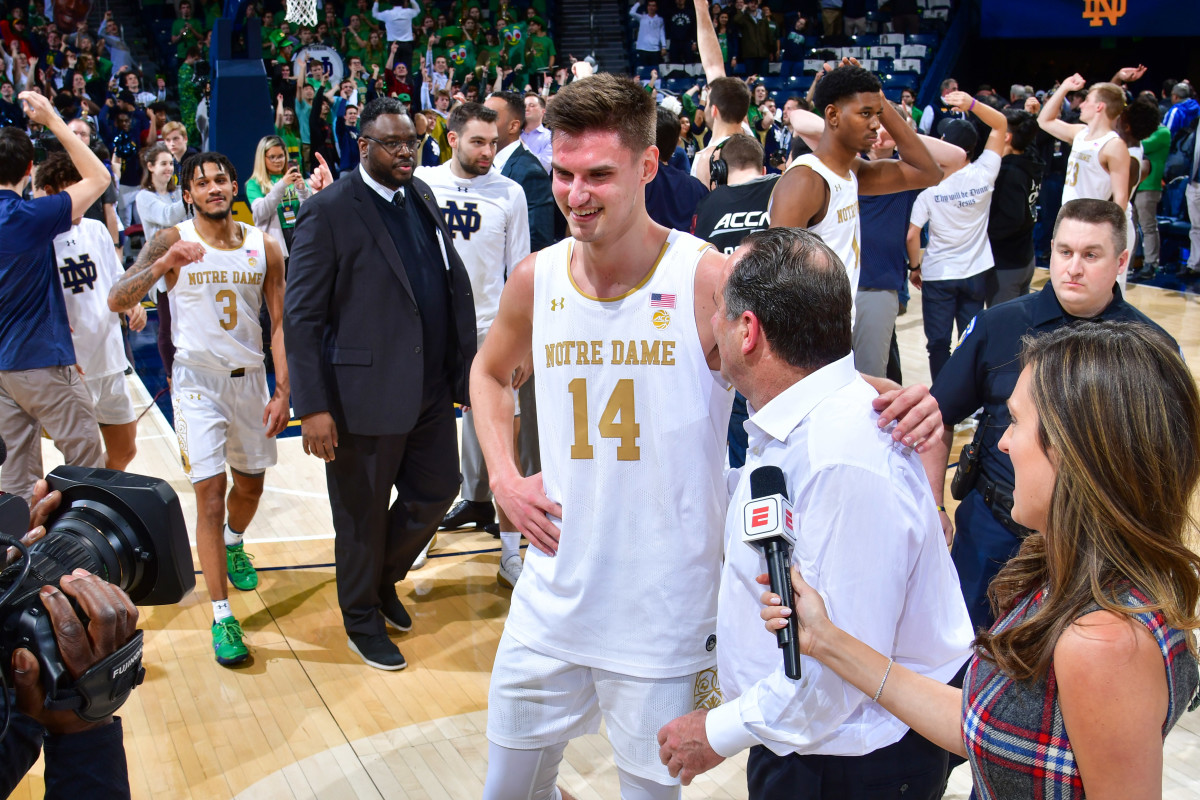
column 241, row 571
column 227, row 642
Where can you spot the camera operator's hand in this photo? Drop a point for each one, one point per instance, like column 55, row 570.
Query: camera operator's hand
column 41, row 506
column 113, row 621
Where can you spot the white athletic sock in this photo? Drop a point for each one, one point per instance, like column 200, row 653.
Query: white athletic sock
column 510, row 544
column 221, row 610
column 232, row 537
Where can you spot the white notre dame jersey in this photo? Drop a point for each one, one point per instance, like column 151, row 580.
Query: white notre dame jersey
column 489, row 221
column 215, row 303
column 87, row 268
column 839, row 227
column 633, row 426
column 1086, row 176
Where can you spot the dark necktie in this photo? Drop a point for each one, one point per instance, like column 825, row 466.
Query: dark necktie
column 398, row 199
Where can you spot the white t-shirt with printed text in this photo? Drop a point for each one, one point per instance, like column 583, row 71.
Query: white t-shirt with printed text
column 957, row 212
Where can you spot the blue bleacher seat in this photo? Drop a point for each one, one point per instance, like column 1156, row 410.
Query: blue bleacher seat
column 773, row 82
column 865, row 40
column 927, row 39
column 900, row 81
column 1172, row 210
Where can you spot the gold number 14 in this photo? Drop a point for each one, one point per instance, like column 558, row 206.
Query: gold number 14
column 620, row 404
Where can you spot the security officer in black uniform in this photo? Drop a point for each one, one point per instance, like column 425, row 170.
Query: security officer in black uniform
column 1088, row 252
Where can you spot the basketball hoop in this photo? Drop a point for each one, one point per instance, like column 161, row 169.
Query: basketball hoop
column 302, row 12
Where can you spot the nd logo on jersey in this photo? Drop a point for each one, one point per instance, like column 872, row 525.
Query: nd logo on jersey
column 464, row 221
column 78, row 273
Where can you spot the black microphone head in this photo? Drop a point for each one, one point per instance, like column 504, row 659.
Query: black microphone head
column 766, row 481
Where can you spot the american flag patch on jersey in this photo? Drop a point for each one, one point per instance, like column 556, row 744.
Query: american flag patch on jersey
column 252, row 253
column 658, row 300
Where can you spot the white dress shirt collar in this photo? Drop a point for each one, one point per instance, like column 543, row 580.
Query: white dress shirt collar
column 779, row 417
column 377, row 187
column 502, row 157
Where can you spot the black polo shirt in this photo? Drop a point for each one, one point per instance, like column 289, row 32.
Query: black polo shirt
column 984, row 368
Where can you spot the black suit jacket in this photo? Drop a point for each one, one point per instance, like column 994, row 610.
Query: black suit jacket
column 351, row 323
column 524, row 168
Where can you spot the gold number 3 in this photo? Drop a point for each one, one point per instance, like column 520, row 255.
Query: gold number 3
column 620, row 404
column 227, row 297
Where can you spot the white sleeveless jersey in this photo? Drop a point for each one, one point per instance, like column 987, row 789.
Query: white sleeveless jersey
column 633, row 428
column 87, row 269
column 839, row 228
column 1086, row 176
column 215, row 303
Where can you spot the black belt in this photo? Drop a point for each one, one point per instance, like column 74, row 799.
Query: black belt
column 237, row 373
column 999, row 500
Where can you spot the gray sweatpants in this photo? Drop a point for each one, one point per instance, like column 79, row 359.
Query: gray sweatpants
column 875, row 313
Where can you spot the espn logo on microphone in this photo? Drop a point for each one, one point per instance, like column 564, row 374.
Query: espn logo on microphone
column 765, row 517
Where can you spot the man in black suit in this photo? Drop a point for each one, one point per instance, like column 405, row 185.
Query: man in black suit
column 516, row 161
column 381, row 323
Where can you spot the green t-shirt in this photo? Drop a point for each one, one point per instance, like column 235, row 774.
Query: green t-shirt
column 1155, row 147
column 538, row 52
column 195, row 33
column 292, row 142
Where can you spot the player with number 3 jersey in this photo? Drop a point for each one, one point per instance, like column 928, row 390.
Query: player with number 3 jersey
column 218, row 271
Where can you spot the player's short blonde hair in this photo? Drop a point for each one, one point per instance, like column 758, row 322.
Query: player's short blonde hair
column 1111, row 95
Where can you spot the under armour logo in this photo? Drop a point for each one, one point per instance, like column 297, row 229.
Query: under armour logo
column 556, row 305
column 78, row 274
column 465, row 221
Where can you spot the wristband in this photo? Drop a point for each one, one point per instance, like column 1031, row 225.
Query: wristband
column 972, row 106
column 942, row 509
column 914, row 269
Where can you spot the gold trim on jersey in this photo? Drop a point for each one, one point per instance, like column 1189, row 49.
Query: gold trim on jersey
column 241, row 226
column 645, row 279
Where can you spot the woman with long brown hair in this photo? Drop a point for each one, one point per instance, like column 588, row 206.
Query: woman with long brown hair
column 1092, row 659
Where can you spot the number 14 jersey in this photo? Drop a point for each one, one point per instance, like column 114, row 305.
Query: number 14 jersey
column 633, row 425
column 215, row 303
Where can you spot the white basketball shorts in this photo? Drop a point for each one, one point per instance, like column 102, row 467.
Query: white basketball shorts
column 537, row 701
column 110, row 396
column 219, row 421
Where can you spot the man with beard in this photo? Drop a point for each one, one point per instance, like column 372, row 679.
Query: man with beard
column 381, row 329
column 217, row 272
column 489, row 221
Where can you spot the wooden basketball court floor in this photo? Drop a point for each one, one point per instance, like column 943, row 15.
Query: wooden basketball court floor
column 305, row 718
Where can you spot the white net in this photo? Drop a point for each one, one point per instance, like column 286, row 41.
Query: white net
column 302, row 12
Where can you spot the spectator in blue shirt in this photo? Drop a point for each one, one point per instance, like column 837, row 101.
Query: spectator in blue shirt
column 672, row 197
column 1185, row 111
column 39, row 385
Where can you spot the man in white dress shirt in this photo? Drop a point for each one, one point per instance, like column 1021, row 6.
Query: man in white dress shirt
column 867, row 532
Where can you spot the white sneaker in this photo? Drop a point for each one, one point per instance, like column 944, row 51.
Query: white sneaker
column 510, row 570
column 423, row 556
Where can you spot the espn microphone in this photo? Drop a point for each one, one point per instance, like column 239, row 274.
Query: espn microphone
column 768, row 527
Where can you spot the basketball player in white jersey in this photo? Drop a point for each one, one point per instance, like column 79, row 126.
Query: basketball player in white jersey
column 87, row 268
column 217, row 271
column 626, row 517
column 1098, row 166
column 489, row 220
column 820, row 190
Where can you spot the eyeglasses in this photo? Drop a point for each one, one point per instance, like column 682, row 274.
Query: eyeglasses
column 397, row 147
